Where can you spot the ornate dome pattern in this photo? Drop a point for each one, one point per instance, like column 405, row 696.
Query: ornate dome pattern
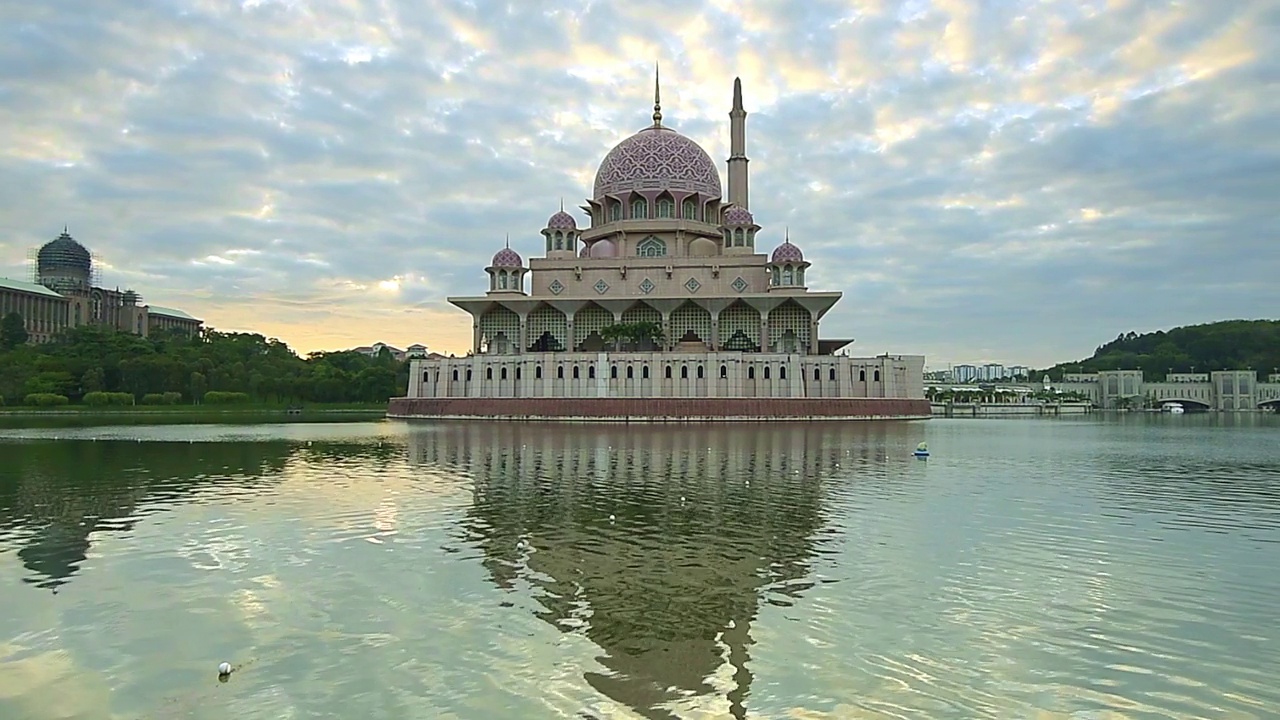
column 562, row 221
column 738, row 216
column 786, row 252
column 507, row 258
column 657, row 158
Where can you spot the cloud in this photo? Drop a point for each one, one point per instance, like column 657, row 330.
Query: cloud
column 1012, row 182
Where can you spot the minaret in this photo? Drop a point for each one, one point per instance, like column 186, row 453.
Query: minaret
column 738, row 149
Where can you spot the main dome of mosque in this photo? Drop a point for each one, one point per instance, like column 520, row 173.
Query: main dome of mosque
column 655, row 159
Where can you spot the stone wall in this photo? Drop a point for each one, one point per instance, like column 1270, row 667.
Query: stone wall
column 660, row 409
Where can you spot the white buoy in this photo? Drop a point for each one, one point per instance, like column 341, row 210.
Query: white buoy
column 611, row 518
column 224, row 668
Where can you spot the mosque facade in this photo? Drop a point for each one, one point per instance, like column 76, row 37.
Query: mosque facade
column 66, row 295
column 661, row 306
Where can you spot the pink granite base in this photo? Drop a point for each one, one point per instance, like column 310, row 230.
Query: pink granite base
column 661, row 409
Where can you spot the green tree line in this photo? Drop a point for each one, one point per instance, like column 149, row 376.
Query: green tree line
column 1225, row 345
column 170, row 367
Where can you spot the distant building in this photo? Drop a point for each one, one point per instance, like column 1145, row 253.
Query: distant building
column 416, row 350
column 1218, row 390
column 964, row 373
column 65, row 295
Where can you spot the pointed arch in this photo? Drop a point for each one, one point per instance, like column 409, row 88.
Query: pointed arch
column 652, row 246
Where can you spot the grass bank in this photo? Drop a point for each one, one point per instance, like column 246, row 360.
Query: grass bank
column 194, row 411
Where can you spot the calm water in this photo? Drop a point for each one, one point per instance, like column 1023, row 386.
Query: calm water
column 1091, row 568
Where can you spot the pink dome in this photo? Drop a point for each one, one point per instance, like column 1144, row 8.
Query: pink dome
column 583, row 251
column 738, row 216
column 657, row 158
column 562, row 221
column 786, row 252
column 507, row 258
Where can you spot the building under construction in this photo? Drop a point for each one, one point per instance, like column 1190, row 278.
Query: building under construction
column 67, row 293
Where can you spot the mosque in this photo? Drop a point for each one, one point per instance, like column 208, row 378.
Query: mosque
column 66, row 294
column 660, row 308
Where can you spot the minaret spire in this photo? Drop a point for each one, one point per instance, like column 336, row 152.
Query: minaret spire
column 738, row 194
column 508, row 241
column 657, row 99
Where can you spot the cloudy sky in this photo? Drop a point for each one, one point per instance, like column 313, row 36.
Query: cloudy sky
column 985, row 180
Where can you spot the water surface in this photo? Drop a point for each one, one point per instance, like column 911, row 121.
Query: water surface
column 1085, row 567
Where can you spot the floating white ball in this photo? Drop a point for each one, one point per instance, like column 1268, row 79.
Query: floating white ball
column 224, row 668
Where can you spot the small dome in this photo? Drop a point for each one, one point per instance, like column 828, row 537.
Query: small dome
column 703, row 247
column 583, row 252
column 562, row 221
column 507, row 258
column 786, row 252
column 738, row 216
column 603, row 249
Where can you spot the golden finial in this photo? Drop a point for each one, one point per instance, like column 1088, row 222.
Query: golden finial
column 657, row 99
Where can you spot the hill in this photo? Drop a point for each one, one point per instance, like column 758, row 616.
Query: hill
column 1224, row 345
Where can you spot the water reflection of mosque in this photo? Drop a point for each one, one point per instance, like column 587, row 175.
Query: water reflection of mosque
column 55, row 495
column 710, row 521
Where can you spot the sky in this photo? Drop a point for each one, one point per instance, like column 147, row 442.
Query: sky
column 1010, row 181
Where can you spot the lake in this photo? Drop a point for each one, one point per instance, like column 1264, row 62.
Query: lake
column 1093, row 567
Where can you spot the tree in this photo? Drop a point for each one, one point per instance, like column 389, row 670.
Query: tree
column 13, row 331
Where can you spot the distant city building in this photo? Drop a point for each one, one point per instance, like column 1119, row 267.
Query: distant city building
column 66, row 295
column 964, row 373
column 417, row 350
column 989, row 372
column 1216, row 390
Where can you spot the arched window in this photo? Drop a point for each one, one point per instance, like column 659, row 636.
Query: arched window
column 559, row 240
column 537, row 372
column 876, row 377
column 488, row 373
column 502, row 279
column 631, row 372
column 751, row 372
column 644, row 373
column 788, row 275
column 862, row 376
column 724, row 371
column 575, row 373
column 615, row 211
column 689, row 210
column 517, row 372
column 728, row 238
column 426, row 376
column 777, row 275
column 668, row 372
column 782, row 373
column 684, row 372
column 455, row 375
column 700, row 372
column 738, row 240
column 591, row 372
column 560, row 373
column 766, row 372
column 503, row 376
column 651, row 247
column 468, row 374
column 832, row 375
column 639, row 209
column 666, row 207
column 816, row 376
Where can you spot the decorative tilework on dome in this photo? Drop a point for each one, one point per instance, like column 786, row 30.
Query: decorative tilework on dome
column 657, row 158
column 562, row 221
column 506, row 257
column 786, row 252
column 738, row 216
